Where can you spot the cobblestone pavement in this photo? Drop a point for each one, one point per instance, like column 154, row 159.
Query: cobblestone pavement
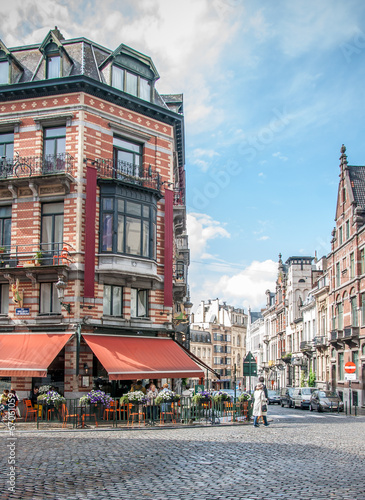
column 300, row 456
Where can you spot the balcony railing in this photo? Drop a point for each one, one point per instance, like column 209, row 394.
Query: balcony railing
column 33, row 255
column 305, row 346
column 179, row 197
column 319, row 341
column 28, row 166
column 351, row 332
column 129, row 173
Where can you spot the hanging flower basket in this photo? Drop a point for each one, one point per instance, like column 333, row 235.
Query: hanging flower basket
column 95, row 397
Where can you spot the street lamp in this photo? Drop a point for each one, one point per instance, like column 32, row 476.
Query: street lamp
column 60, row 286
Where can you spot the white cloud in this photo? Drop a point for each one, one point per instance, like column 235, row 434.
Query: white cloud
column 201, row 229
column 280, row 156
column 246, row 288
column 263, row 238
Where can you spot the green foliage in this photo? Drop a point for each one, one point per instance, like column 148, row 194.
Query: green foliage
column 302, row 379
column 312, row 379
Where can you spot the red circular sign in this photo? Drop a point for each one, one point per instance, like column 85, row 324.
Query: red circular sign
column 350, row 367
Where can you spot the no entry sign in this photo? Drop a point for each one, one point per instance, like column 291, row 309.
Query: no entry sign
column 350, row 367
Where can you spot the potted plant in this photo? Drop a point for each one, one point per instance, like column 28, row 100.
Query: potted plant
column 221, row 396
column 51, row 398
column 202, row 397
column 167, row 397
column 2, row 249
column 38, row 257
column 96, row 397
column 135, row 397
column 245, row 396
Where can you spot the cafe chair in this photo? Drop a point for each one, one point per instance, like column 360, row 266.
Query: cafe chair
column 136, row 414
column 113, row 409
column 29, row 409
column 66, row 415
column 171, row 413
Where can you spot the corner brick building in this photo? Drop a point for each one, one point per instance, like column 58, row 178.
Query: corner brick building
column 93, row 238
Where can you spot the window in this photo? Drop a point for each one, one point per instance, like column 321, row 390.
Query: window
column 338, row 274
column 362, row 260
column 340, row 236
column 353, row 312
column 347, row 229
column 128, row 227
column 340, row 316
column 127, row 157
column 112, row 300
column 49, row 302
column 53, row 69
column 4, row 72
column 7, row 145
column 5, row 227
column 131, row 83
column 4, row 299
column 352, row 265
column 54, row 149
column 363, row 308
column 139, row 303
column 341, row 373
column 52, row 228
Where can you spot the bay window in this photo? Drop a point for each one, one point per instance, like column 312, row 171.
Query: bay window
column 128, row 227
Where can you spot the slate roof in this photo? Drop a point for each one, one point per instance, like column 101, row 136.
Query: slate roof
column 357, row 179
column 87, row 58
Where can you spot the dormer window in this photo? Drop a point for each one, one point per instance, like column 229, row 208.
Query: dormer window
column 53, row 67
column 4, row 72
column 131, row 83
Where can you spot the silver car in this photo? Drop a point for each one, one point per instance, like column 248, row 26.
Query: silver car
column 325, row 401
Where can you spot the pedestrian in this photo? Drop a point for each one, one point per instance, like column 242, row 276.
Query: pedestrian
column 138, row 387
column 262, row 381
column 259, row 405
column 152, row 394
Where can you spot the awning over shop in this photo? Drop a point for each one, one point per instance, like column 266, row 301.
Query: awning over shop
column 127, row 358
column 29, row 354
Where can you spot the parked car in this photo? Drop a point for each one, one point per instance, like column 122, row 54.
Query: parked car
column 302, row 396
column 286, row 394
column 273, row 397
column 325, row 400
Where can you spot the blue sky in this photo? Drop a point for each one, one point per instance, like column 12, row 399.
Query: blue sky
column 271, row 91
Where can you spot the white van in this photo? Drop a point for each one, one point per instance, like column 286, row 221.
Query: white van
column 301, row 396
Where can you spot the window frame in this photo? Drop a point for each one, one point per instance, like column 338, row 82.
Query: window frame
column 54, row 304
column 114, row 238
column 111, row 311
column 52, row 56
column 124, row 79
column 7, row 65
column 5, row 234
column 52, row 247
column 4, row 304
column 145, row 303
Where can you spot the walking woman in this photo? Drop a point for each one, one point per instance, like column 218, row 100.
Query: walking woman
column 260, row 405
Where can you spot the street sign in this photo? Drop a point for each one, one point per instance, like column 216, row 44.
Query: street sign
column 350, row 376
column 22, row 311
column 350, row 367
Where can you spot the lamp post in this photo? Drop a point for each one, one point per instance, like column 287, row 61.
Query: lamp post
column 60, row 286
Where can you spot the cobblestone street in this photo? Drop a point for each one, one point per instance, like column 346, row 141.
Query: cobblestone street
column 300, row 456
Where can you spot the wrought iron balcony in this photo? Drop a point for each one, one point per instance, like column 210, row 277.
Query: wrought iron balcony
column 351, row 332
column 179, row 197
column 129, row 173
column 319, row 341
column 29, row 166
column 33, row 255
column 305, row 346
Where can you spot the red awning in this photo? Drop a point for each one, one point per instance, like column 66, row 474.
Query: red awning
column 29, row 354
column 127, row 358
